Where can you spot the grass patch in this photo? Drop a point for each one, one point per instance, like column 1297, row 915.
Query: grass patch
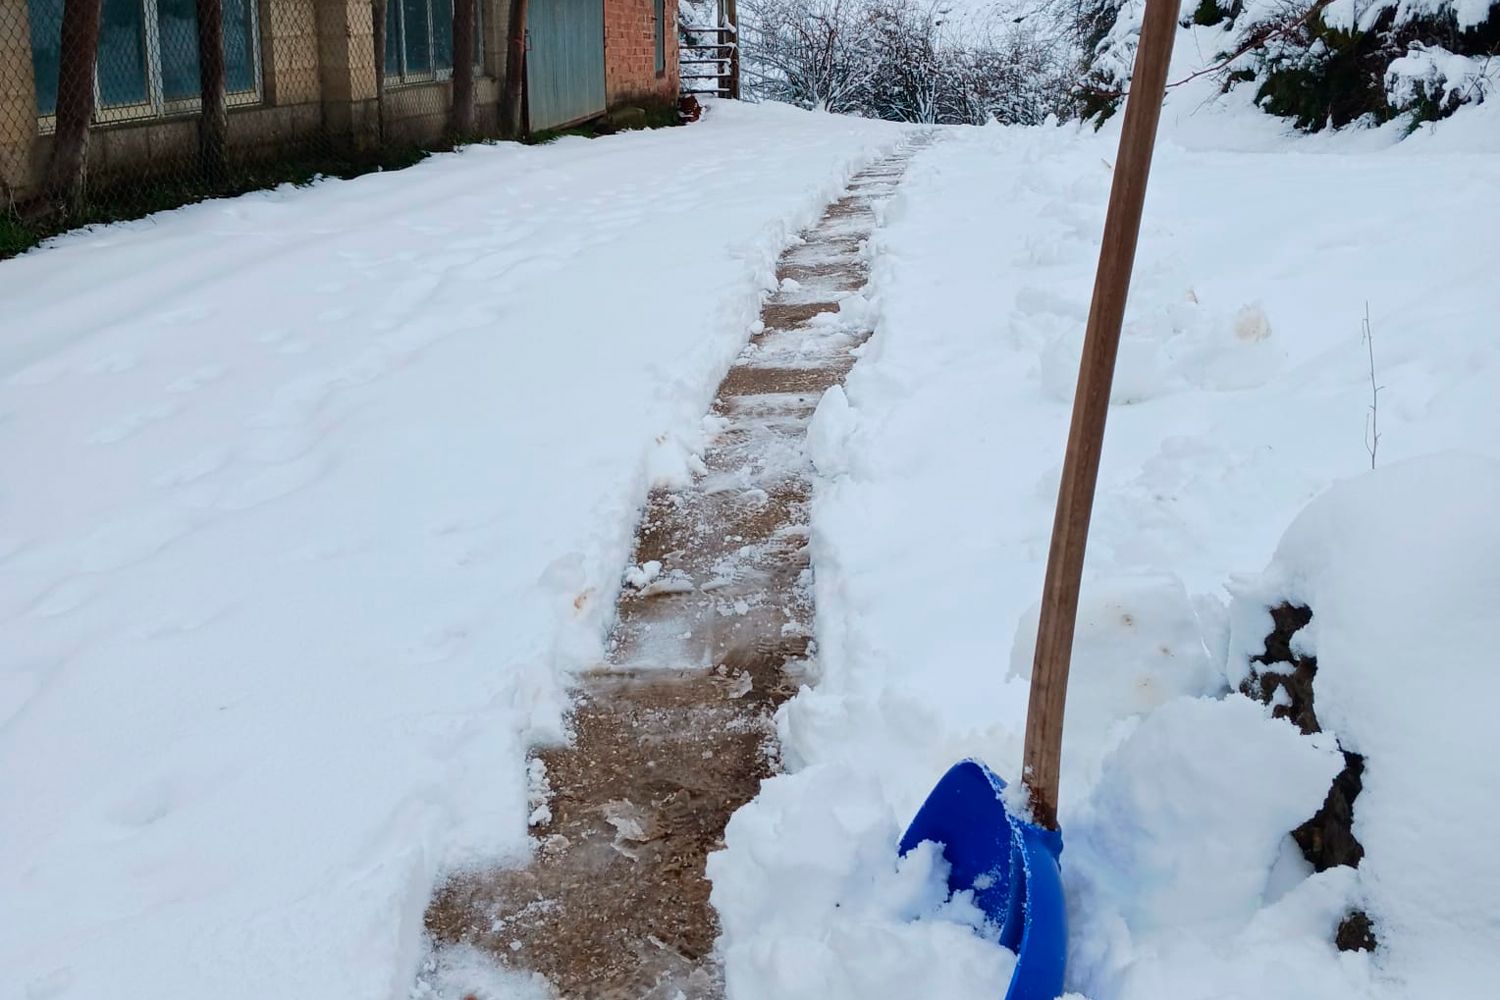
column 142, row 197
column 588, row 130
column 631, row 118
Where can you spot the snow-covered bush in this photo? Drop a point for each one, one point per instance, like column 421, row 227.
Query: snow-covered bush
column 1431, row 82
column 1336, row 63
column 901, row 60
column 1319, row 62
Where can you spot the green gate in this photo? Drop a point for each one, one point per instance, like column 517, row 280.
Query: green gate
column 564, row 62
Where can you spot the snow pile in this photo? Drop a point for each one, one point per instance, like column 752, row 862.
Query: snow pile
column 1172, row 347
column 1138, row 645
column 1172, row 843
column 1401, row 569
column 310, row 499
column 1247, row 387
column 463, row 973
column 844, row 918
column 828, row 433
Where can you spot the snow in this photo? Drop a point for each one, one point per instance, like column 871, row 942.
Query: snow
column 1138, row 645
column 843, row 918
column 1402, row 569
column 311, row 501
column 1167, row 845
column 1434, row 72
column 828, row 433
column 314, row 499
column 1243, row 396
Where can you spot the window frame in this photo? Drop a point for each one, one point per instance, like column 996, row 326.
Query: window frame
column 659, row 54
column 156, row 104
column 399, row 77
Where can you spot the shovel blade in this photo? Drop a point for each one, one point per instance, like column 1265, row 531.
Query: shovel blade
column 1010, row 865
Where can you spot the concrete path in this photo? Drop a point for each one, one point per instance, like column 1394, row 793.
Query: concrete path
column 675, row 732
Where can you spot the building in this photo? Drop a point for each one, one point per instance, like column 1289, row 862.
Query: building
column 301, row 76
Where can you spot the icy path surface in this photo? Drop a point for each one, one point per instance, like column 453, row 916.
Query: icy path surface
column 309, row 501
column 1241, row 394
column 675, row 732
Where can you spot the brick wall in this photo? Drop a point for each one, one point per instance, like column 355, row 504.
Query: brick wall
column 630, row 52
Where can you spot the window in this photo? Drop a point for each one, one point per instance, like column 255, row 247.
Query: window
column 419, row 40
column 661, row 36
column 147, row 63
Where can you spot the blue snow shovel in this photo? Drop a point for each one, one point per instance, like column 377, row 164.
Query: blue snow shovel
column 1009, row 859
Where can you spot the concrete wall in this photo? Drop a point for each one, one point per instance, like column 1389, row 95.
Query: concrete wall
column 630, row 75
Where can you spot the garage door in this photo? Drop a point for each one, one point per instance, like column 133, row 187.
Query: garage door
column 565, row 62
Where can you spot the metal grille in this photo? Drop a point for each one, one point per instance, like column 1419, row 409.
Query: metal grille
column 108, row 108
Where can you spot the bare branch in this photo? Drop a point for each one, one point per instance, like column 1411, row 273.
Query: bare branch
column 1372, row 418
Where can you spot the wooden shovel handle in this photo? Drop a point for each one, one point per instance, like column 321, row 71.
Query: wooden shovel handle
column 1075, row 496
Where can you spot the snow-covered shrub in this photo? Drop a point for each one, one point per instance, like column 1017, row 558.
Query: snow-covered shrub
column 1319, row 62
column 1333, row 63
column 814, row 54
column 1105, row 32
column 1431, row 82
column 901, row 60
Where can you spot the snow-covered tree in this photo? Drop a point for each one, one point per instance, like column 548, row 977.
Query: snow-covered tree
column 901, row 60
column 1319, row 62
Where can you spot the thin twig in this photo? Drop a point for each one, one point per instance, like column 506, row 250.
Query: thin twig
column 1372, row 419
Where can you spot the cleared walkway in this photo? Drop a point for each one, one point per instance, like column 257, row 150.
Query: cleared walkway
column 675, row 732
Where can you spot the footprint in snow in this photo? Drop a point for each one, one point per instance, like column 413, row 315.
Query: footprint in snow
column 197, row 379
column 70, row 595
column 111, row 364
column 127, row 426
column 205, row 463
column 162, row 796
column 186, row 316
column 42, row 373
column 273, row 483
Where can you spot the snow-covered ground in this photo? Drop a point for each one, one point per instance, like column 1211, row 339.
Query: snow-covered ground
column 308, row 501
column 1242, row 395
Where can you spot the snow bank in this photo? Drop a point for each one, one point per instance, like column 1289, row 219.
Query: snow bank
column 1401, row 569
column 310, row 500
column 1138, row 644
column 1245, row 388
column 822, row 909
column 1186, row 821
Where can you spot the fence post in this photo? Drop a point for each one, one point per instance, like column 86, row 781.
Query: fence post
column 731, row 86
column 461, row 122
column 213, row 125
column 378, row 14
column 75, row 103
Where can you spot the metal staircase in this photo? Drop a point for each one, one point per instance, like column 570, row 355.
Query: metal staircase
column 708, row 54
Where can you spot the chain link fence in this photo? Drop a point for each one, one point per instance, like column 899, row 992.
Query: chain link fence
column 113, row 108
